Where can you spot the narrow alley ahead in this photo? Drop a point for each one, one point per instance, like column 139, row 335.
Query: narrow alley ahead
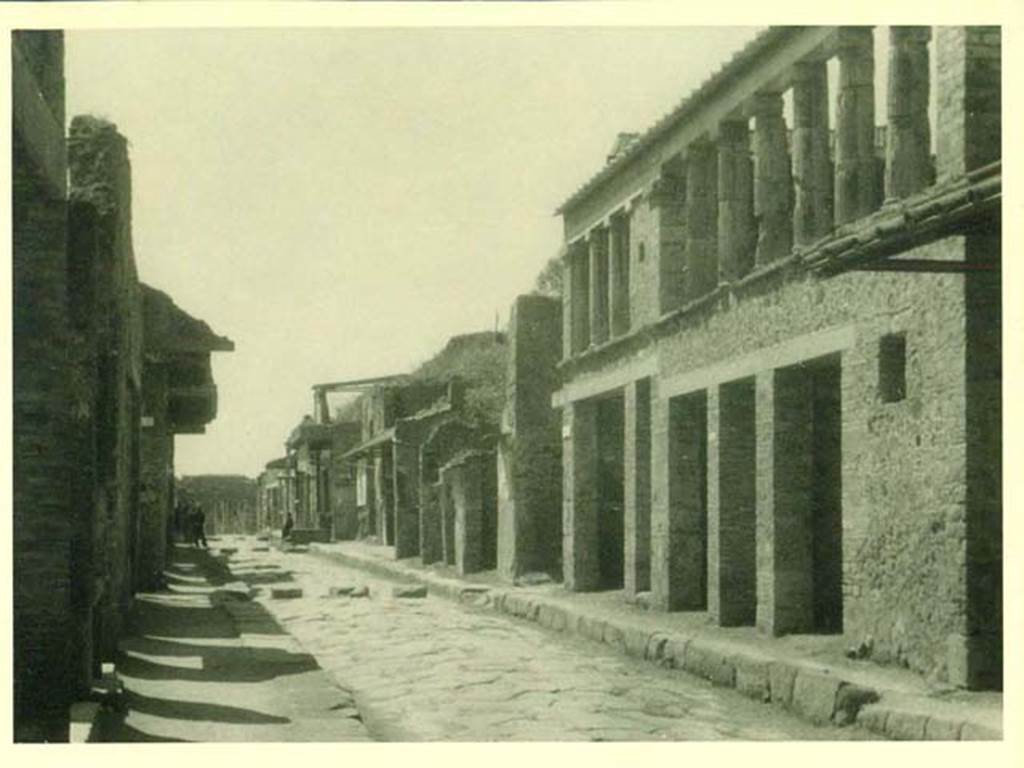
column 427, row 669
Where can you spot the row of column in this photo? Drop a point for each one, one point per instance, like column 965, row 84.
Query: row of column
column 746, row 205
column 599, row 279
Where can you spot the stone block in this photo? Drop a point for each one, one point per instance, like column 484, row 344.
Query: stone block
column 237, row 589
column 532, row 610
column 552, row 617
column 977, row 732
column 675, row 651
column 614, row 636
column 849, row 700
column 905, row 726
column 227, row 550
column 532, row 579
column 942, row 729
column 344, row 591
column 409, row 591
column 261, row 549
column 84, row 721
column 715, row 664
column 873, row 717
column 297, row 549
column 516, row 605
column 636, row 639
column 655, row 650
column 285, row 593
column 814, row 695
column 592, row 628
column 752, row 677
column 363, row 591
column 781, row 679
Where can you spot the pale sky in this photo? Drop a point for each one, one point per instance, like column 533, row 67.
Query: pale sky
column 340, row 202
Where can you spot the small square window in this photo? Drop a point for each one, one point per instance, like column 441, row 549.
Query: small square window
column 892, row 368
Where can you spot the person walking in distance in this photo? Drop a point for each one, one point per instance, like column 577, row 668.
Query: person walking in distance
column 199, row 531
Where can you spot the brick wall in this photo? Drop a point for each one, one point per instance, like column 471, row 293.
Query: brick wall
column 44, row 660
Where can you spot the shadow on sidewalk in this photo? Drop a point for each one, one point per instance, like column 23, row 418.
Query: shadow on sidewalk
column 184, row 659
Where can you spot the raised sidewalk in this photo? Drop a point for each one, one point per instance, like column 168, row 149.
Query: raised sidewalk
column 808, row 675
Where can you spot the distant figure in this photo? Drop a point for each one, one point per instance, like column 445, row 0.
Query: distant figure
column 181, row 522
column 286, row 531
column 199, row 526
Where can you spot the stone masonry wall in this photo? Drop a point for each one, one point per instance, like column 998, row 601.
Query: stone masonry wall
column 44, row 659
column 530, row 449
column 903, row 480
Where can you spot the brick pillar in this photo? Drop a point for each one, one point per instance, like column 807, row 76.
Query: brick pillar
column 773, row 192
column 857, row 190
column 784, row 553
column 474, row 530
column 598, row 242
column 678, row 515
column 637, row 439
column 579, row 258
column 446, row 501
column 701, row 220
column 618, row 279
column 668, row 200
column 732, row 598
column 969, row 126
column 737, row 229
column 908, row 138
column 431, row 545
column 567, row 303
column 579, row 497
column 405, row 474
column 812, row 166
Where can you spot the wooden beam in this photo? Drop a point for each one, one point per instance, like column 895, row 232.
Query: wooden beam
column 924, row 265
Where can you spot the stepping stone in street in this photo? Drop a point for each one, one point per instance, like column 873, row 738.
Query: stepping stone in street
column 532, row 579
column 415, row 590
column 237, row 589
column 285, row 593
column 345, row 591
column 228, row 550
column 297, row 548
column 360, row 592
column 261, row 549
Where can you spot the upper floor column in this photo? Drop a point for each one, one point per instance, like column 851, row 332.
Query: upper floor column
column 773, row 191
column 908, row 140
column 812, row 166
column 857, row 188
column 598, row 243
column 737, row 230
column 701, row 219
column 578, row 261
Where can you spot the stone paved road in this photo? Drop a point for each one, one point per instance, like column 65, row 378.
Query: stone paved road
column 429, row 669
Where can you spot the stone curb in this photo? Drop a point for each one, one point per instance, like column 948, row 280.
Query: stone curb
column 85, row 722
column 811, row 691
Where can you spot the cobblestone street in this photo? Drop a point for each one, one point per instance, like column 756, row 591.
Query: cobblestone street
column 429, row 669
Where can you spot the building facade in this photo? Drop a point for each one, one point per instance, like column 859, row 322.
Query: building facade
column 91, row 496
column 781, row 392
